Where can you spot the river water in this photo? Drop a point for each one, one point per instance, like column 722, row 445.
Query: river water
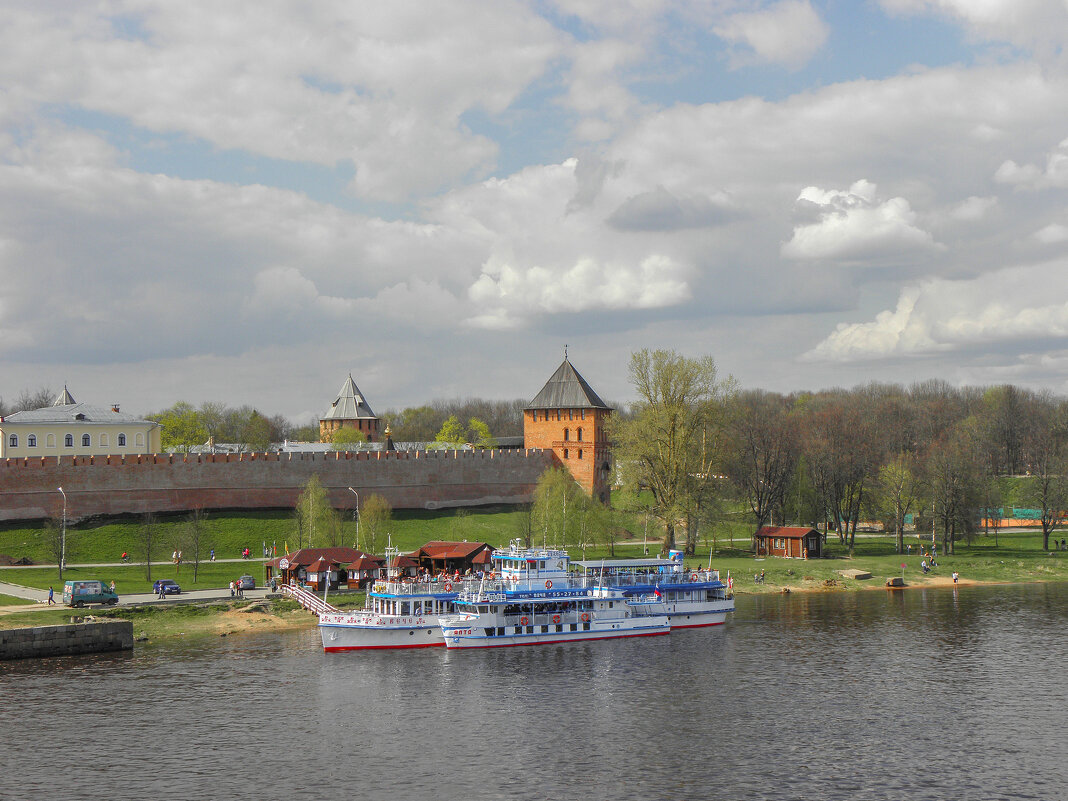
column 927, row 694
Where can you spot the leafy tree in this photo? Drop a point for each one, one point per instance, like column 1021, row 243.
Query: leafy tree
column 898, row 490
column 1046, row 447
column 671, row 442
column 452, row 433
column 182, row 427
column 376, row 515
column 482, row 438
column 556, row 503
column 256, row 432
column 312, row 513
column 347, row 438
column 305, row 433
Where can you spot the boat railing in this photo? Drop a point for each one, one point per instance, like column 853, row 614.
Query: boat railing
column 652, row 578
column 309, row 600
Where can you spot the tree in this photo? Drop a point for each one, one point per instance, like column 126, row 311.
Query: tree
column 764, row 453
column 671, row 441
column 28, row 401
column 55, row 532
column 482, row 438
column 256, row 432
column 898, row 489
column 311, row 513
column 195, row 530
column 1046, row 448
column 376, row 515
column 555, row 504
column 182, row 427
column 147, row 535
column 452, row 434
column 347, row 438
column 955, row 486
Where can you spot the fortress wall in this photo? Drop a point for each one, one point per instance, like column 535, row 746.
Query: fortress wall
column 110, row 485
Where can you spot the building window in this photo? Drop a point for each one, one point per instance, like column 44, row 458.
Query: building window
column 68, row 441
column 13, row 440
column 31, row 441
column 122, row 440
column 580, row 435
column 580, row 453
column 565, row 453
column 103, row 440
column 534, row 415
column 50, row 441
column 582, row 413
column 570, row 414
column 567, row 434
column 86, row 442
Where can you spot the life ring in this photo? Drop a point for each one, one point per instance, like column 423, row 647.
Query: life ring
column 548, row 584
column 694, row 577
column 556, row 618
column 523, row 621
column 584, row 616
column 448, row 587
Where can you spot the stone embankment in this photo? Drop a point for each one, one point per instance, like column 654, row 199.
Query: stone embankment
column 75, row 638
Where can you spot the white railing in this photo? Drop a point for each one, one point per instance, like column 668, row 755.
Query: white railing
column 309, row 600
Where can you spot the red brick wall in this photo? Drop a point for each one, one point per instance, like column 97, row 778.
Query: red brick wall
column 104, row 485
column 559, row 430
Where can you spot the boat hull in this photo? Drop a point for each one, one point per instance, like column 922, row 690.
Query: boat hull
column 467, row 638
column 339, row 634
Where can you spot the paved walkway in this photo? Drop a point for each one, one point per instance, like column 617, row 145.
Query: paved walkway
column 41, row 596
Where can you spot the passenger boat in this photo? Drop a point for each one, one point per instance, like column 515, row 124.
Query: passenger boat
column 689, row 598
column 502, row 617
column 403, row 613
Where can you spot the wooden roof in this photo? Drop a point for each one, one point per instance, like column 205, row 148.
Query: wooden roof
column 786, row 532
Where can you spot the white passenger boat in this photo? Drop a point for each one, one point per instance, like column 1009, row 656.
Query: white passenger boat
column 502, row 617
column 689, row 598
column 404, row 614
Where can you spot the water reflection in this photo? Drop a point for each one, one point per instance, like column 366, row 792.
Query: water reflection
column 953, row 693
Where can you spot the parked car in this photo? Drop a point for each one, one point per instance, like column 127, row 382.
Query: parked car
column 246, row 583
column 167, row 587
column 80, row 593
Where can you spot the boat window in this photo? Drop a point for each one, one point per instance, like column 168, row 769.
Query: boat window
column 405, row 608
column 544, row 629
column 574, row 626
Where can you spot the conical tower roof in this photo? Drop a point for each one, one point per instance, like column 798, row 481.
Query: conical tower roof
column 64, row 398
column 566, row 389
column 349, row 405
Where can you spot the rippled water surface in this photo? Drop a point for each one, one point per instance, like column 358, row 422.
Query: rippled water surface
column 925, row 694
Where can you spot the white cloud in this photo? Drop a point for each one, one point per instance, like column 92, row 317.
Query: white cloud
column 510, row 295
column 852, row 225
column 1052, row 234
column 1031, row 176
column 993, row 311
column 1036, row 24
column 789, row 32
column 973, row 209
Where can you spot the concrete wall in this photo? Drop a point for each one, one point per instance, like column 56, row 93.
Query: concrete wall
column 110, row 485
column 76, row 638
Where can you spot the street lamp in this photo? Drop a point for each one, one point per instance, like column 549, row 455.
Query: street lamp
column 63, row 533
column 356, row 516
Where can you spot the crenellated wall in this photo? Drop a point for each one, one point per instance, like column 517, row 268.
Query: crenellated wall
column 110, row 485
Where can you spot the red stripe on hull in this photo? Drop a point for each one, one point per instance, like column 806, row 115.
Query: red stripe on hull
column 336, row 648
column 697, row 625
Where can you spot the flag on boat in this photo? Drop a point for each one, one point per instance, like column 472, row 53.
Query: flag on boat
column 656, row 590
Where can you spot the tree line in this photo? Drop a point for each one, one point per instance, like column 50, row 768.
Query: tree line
column 949, row 457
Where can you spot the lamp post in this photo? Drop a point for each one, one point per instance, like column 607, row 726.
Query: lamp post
column 63, row 534
column 356, row 516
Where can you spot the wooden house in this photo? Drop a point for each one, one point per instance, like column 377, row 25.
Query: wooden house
column 796, row 542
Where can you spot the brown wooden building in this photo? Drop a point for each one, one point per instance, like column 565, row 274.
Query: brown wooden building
column 438, row 556
column 795, row 542
column 341, row 567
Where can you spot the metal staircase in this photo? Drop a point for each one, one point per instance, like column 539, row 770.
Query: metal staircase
column 309, row 600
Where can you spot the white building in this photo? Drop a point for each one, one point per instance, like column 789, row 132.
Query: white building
column 68, row 428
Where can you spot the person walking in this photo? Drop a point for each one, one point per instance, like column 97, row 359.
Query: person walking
column 232, row 589
column 955, row 576
column 51, row 597
column 923, row 564
column 213, row 554
column 162, row 593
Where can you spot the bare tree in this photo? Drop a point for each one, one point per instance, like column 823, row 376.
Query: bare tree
column 147, row 535
column 194, row 536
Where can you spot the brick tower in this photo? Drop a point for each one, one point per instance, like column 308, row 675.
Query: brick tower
column 349, row 410
column 567, row 417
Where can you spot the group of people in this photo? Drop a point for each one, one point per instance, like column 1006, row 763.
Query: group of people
column 236, row 590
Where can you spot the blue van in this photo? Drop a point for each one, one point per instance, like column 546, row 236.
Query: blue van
column 90, row 591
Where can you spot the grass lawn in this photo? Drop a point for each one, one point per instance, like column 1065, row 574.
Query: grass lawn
column 11, row 600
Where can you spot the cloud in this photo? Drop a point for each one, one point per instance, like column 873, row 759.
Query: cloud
column 852, row 225
column 993, row 311
column 789, row 32
column 510, row 295
column 1031, row 176
column 1052, row 234
column 973, row 209
column 660, row 210
column 1038, row 25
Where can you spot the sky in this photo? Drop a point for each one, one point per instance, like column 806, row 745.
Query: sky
column 244, row 202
